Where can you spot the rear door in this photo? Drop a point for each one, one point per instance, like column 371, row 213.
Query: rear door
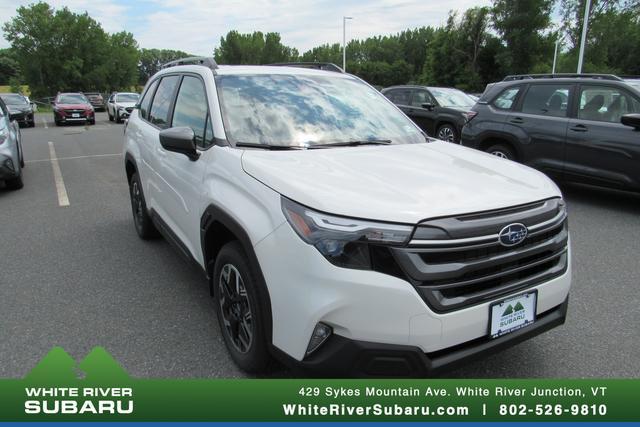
column 402, row 98
column 601, row 150
column 540, row 123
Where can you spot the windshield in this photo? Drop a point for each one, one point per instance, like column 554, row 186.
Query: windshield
column 452, row 98
column 303, row 110
column 72, row 99
column 127, row 97
column 14, row 99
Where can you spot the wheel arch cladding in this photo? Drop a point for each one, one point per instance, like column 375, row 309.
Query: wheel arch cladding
column 129, row 166
column 218, row 228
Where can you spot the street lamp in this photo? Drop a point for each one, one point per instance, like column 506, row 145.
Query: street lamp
column 344, row 41
column 555, row 54
column 585, row 24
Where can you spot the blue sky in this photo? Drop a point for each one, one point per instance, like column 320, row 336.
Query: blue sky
column 195, row 26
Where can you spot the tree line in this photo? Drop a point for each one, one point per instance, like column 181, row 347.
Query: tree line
column 53, row 50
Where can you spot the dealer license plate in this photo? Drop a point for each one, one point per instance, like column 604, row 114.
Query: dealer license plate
column 512, row 314
column 74, row 115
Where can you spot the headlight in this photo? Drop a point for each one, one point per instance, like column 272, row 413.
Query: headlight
column 343, row 241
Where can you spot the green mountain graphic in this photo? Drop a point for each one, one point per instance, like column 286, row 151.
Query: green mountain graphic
column 59, row 367
column 509, row 310
column 518, row 307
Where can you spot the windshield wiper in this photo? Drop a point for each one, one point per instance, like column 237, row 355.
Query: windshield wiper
column 269, row 146
column 352, row 143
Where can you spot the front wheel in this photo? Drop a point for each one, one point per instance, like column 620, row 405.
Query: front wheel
column 15, row 183
column 447, row 133
column 502, row 151
column 239, row 309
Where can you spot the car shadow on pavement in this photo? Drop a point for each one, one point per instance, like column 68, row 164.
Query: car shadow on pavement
column 602, row 197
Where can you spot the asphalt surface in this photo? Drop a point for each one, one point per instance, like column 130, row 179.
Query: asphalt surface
column 78, row 277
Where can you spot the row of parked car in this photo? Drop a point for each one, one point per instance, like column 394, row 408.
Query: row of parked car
column 72, row 107
column 577, row 127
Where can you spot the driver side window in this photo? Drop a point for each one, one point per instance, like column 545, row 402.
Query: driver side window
column 421, row 97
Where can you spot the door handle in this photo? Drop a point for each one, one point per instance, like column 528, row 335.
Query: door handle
column 579, row 128
column 516, row 120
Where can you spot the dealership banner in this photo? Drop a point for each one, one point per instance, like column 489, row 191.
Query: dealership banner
column 99, row 389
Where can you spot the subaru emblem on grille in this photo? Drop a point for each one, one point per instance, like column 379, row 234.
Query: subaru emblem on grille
column 512, row 234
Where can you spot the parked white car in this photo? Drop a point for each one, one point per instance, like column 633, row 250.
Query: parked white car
column 120, row 105
column 334, row 234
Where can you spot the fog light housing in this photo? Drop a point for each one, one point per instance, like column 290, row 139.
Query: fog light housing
column 320, row 334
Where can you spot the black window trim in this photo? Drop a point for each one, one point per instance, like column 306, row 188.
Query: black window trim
column 206, row 97
column 152, row 95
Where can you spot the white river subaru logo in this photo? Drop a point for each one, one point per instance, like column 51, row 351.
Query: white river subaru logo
column 512, row 234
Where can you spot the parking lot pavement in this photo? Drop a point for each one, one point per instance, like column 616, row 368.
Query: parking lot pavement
column 77, row 276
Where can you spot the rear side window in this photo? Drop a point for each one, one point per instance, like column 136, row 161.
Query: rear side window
column 146, row 100
column 546, row 100
column 160, row 108
column 191, row 108
column 399, row 96
column 506, row 99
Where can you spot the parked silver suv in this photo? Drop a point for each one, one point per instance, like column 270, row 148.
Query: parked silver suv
column 11, row 157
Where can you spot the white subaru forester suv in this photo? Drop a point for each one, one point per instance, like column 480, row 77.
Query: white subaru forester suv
column 334, row 234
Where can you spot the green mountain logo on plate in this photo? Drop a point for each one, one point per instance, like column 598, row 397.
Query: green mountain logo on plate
column 508, row 311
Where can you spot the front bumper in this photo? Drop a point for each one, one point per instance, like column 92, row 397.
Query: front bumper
column 8, row 167
column 68, row 117
column 23, row 117
column 371, row 311
column 342, row 357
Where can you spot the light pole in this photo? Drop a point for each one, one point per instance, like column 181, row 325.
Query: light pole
column 555, row 54
column 585, row 24
column 344, row 41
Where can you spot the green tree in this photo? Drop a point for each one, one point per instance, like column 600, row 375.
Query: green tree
column 125, row 57
column 522, row 24
column 255, row 48
column 152, row 60
column 9, row 66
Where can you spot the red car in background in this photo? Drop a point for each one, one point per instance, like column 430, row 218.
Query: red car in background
column 73, row 108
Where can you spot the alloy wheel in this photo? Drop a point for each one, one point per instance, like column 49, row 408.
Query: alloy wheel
column 500, row 154
column 235, row 308
column 446, row 134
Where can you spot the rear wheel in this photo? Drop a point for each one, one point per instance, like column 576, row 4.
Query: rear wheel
column 141, row 219
column 239, row 310
column 118, row 120
column 502, row 151
column 110, row 116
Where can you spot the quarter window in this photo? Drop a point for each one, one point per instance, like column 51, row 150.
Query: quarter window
column 505, row 100
column 160, row 109
column 546, row 100
column 191, row 108
column 146, row 101
column 606, row 104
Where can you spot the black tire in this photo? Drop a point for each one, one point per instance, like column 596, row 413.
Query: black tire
column 141, row 219
column 56, row 122
column 231, row 306
column 501, row 150
column 118, row 120
column 448, row 132
column 32, row 124
column 110, row 116
column 92, row 121
column 14, row 184
column 21, row 157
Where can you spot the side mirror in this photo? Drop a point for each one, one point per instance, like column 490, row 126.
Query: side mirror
column 429, row 106
column 180, row 140
column 632, row 120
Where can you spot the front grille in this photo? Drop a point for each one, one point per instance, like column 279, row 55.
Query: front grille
column 464, row 263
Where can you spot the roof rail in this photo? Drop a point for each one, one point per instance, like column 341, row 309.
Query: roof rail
column 193, row 60
column 326, row 66
column 561, row 76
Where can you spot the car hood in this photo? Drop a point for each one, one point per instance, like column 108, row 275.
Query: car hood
column 126, row 104
column 398, row 183
column 74, row 106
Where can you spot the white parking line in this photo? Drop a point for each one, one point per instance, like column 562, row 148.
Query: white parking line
column 63, row 198
column 76, row 157
column 44, row 122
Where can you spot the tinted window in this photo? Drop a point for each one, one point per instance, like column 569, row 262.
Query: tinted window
column 546, row 100
column 399, row 96
column 506, row 99
column 146, row 101
column 160, row 108
column 191, row 107
column 420, row 97
column 606, row 104
column 448, row 97
column 72, row 99
column 14, row 99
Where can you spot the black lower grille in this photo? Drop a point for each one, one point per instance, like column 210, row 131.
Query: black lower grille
column 474, row 266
